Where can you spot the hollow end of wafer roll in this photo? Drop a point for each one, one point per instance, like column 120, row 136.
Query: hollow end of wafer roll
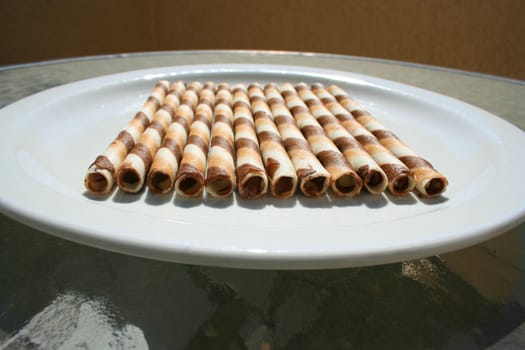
column 252, row 182
column 283, row 187
column 314, row 186
column 99, row 181
column 129, row 179
column 401, row 185
column 220, row 186
column 347, row 185
column 219, row 182
column 253, row 186
column 432, row 187
column 375, row 181
column 160, row 182
column 189, row 185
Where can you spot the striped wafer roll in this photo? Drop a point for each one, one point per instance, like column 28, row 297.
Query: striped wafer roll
column 224, row 95
column 161, row 177
column 132, row 172
column 100, row 175
column 252, row 181
column 210, row 85
column 400, row 181
column 190, row 178
column 344, row 180
column 220, row 172
column 279, row 167
column 313, row 178
column 429, row 181
column 374, row 178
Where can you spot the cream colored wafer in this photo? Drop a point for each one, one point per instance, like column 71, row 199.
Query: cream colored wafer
column 374, row 178
column 400, row 181
column 224, row 95
column 313, row 178
column 252, row 181
column 344, row 180
column 191, row 175
column 132, row 172
column 279, row 168
column 428, row 181
column 220, row 171
column 161, row 177
column 100, row 176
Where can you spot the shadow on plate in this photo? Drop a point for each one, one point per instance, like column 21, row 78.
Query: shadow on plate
column 254, row 204
column 219, row 203
column 407, row 199
column 97, row 197
column 324, row 201
column 124, row 197
column 187, row 202
column 374, row 201
column 158, row 199
column 433, row 201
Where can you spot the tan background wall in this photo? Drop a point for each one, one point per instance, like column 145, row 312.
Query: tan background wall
column 484, row 36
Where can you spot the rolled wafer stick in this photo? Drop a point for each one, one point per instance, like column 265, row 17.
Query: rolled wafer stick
column 190, row 178
column 220, row 171
column 279, row 167
column 344, row 180
column 161, row 177
column 224, row 95
column 252, row 181
column 313, row 178
column 374, row 178
column 428, row 181
column 210, row 85
column 132, row 172
column 400, row 181
column 100, row 176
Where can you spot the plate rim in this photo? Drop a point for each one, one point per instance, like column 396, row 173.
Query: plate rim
column 232, row 258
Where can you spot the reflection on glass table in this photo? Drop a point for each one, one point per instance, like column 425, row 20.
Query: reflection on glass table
column 55, row 294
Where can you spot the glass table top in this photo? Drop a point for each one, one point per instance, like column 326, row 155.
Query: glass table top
column 56, row 294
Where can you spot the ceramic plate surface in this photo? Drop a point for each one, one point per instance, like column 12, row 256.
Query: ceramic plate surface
column 50, row 138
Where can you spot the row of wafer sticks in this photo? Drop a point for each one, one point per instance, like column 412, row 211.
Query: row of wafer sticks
column 195, row 137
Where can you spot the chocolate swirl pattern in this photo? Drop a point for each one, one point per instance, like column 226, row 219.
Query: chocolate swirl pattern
column 132, row 172
column 100, row 176
column 198, row 136
column 374, row 178
column 220, row 173
column 279, row 167
column 190, row 178
column 344, row 180
column 400, row 181
column 428, row 181
column 252, row 181
column 161, row 177
column 313, row 178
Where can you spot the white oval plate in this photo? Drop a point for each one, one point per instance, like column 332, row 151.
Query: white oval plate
column 50, row 138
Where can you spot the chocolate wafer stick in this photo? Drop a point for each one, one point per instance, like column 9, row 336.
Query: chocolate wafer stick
column 252, row 181
column 220, row 172
column 428, row 181
column 374, row 178
column 224, row 95
column 161, row 177
column 100, row 176
column 132, row 172
column 191, row 175
column 279, row 167
column 400, row 181
column 313, row 178
column 345, row 181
